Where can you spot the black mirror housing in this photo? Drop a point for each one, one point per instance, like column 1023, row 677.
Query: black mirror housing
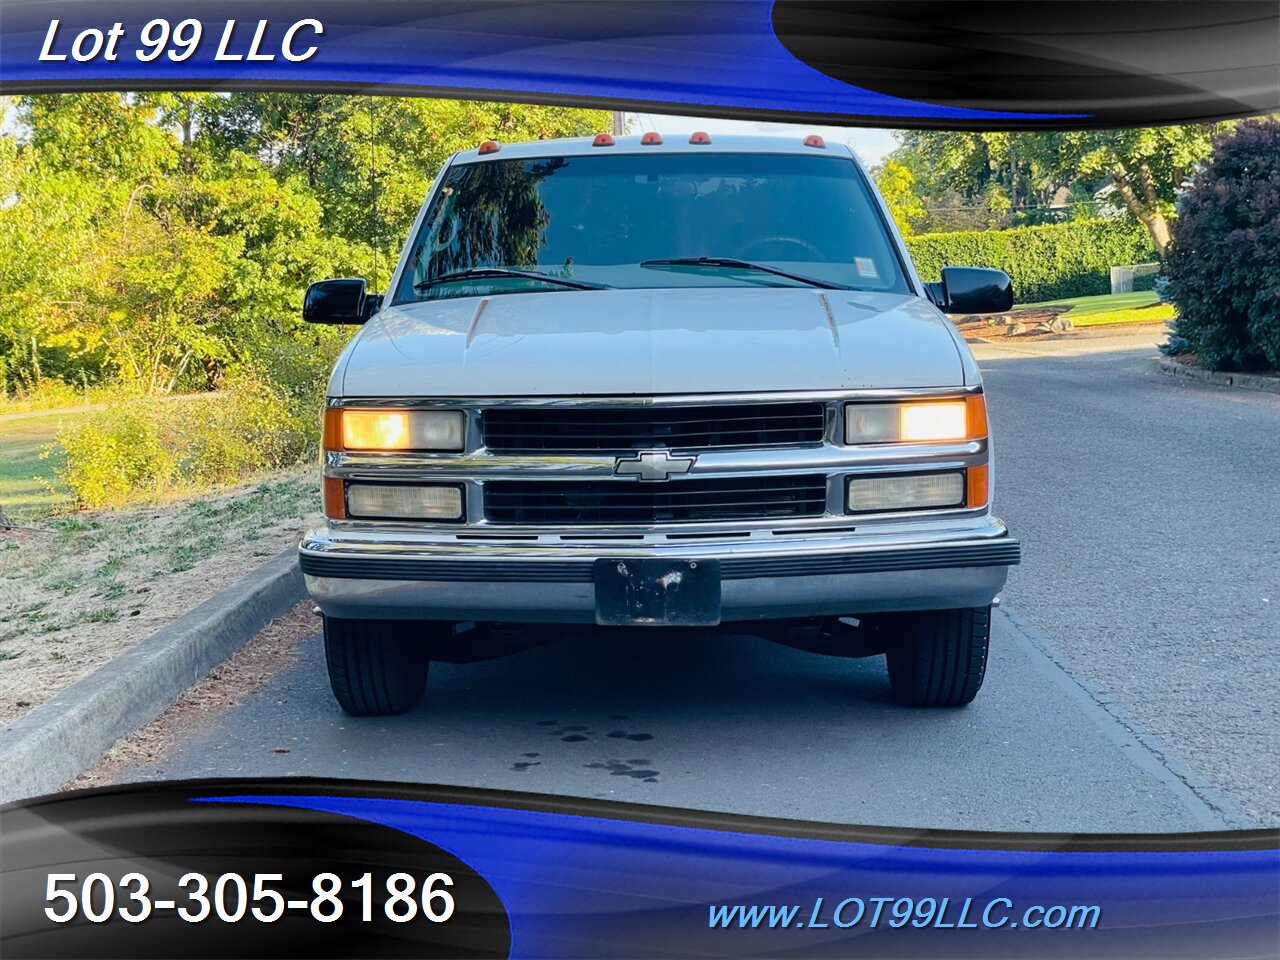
column 340, row 301
column 972, row 290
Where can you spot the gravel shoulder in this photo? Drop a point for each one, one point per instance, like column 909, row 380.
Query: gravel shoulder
column 76, row 591
column 245, row 672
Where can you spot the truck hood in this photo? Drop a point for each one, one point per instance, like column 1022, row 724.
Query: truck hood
column 653, row 341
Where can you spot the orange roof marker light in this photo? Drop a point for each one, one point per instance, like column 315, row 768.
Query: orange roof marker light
column 489, row 146
column 700, row 137
column 602, row 140
column 651, row 139
column 813, row 140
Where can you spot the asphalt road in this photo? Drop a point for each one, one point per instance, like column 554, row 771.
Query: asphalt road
column 1132, row 684
column 1149, row 511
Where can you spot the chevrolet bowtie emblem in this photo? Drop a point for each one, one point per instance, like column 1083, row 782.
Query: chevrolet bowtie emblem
column 653, row 465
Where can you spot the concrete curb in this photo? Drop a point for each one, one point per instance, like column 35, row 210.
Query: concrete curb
column 1206, row 803
column 1244, row 381
column 65, row 736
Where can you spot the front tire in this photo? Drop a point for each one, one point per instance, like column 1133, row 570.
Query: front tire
column 376, row 667
column 938, row 658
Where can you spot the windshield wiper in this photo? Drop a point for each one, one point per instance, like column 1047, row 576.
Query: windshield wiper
column 732, row 264
column 482, row 273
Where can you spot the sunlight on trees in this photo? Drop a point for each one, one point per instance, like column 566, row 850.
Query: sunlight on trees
column 164, row 240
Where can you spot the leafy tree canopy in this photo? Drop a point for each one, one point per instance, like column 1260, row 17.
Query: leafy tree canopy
column 1018, row 178
column 898, row 187
column 166, row 238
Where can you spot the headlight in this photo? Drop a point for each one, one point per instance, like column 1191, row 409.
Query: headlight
column 916, row 421
column 377, row 501
column 918, row 491
column 391, row 430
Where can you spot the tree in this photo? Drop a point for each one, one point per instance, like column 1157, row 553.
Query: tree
column 1147, row 167
column 106, row 136
column 1025, row 170
column 969, row 180
column 154, row 296
column 898, row 187
column 167, row 238
column 369, row 160
column 48, row 221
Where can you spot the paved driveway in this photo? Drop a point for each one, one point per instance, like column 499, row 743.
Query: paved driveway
column 1132, row 687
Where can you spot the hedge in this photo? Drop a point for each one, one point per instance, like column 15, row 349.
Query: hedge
column 1050, row 262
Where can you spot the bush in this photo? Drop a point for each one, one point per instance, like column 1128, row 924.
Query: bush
column 247, row 429
column 1176, row 345
column 148, row 447
column 1224, row 261
column 54, row 393
column 49, row 394
column 1046, row 263
column 117, row 455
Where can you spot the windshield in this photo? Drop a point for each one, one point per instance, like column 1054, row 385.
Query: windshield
column 603, row 220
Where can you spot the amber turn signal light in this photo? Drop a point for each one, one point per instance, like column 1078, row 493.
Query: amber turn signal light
column 977, row 490
column 335, row 498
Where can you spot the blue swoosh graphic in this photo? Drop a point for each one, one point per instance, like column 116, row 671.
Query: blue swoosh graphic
column 614, row 881
column 722, row 54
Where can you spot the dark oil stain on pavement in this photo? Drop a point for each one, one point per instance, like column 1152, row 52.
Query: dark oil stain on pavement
column 623, row 735
column 522, row 765
column 573, row 734
column 636, row 769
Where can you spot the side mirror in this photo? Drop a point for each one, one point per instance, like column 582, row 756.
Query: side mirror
column 340, row 301
column 972, row 290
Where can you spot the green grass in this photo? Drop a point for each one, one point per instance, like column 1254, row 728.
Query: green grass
column 187, row 555
column 1142, row 306
column 23, row 475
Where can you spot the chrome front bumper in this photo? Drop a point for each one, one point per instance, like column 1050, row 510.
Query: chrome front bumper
column 354, row 571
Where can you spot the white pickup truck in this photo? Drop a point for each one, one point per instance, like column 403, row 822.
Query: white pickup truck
column 636, row 382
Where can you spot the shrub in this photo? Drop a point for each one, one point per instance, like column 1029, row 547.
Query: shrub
column 54, row 393
column 117, row 455
column 1176, row 345
column 49, row 394
column 147, row 447
column 1224, row 261
column 1046, row 263
column 247, row 429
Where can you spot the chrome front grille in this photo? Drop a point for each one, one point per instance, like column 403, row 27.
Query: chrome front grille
column 578, row 429
column 568, row 502
column 740, row 465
